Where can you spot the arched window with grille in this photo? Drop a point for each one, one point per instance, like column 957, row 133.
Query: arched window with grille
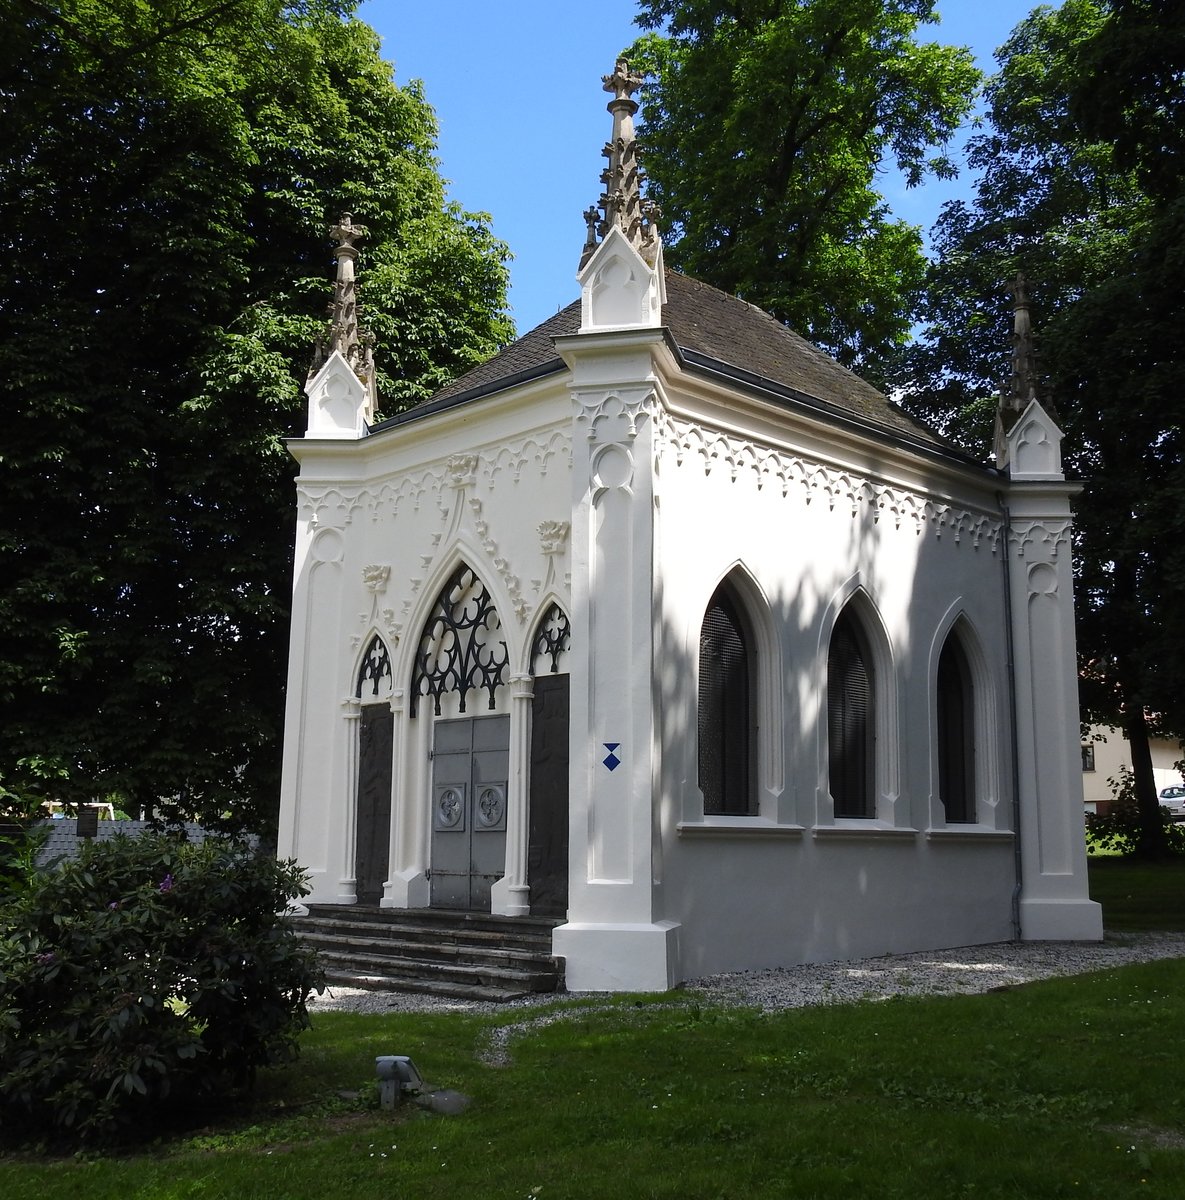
column 462, row 648
column 851, row 720
column 956, row 732
column 727, row 708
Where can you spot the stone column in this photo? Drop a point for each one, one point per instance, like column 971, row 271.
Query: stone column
column 347, row 884
column 510, row 896
column 407, row 883
column 395, row 843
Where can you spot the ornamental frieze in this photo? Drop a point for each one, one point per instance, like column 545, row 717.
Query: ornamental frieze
column 820, row 483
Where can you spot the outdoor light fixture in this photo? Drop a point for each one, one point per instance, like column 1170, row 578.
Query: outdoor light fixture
column 396, row 1073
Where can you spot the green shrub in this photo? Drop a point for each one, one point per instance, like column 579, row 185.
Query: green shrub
column 148, row 970
column 1118, row 829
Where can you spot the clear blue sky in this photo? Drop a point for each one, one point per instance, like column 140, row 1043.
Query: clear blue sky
column 516, row 85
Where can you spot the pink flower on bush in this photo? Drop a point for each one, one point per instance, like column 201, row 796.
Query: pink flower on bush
column 166, row 884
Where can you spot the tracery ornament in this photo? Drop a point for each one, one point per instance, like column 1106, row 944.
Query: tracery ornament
column 376, row 666
column 462, row 647
column 552, row 638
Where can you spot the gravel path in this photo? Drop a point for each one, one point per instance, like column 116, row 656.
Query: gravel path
column 929, row 973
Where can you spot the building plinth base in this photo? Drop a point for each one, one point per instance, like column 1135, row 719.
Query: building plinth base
column 1061, row 921
column 619, row 957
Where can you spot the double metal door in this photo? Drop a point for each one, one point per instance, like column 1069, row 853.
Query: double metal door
column 470, row 768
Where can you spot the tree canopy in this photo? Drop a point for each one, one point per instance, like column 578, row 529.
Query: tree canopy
column 168, row 172
column 1072, row 191
column 765, row 125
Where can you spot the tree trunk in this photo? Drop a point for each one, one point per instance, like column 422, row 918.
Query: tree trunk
column 1151, row 842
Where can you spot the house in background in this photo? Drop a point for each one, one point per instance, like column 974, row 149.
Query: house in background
column 1105, row 750
column 663, row 623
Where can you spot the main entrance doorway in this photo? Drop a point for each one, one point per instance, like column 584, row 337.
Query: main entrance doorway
column 470, row 769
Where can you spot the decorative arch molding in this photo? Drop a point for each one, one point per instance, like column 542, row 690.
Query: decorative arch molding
column 338, row 504
column 462, row 646
column 855, row 599
column 987, row 717
column 814, row 481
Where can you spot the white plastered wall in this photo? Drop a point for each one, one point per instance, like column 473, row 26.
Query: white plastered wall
column 815, row 520
column 417, row 498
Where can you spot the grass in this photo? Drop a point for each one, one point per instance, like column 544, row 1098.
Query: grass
column 1067, row 1088
column 1138, row 896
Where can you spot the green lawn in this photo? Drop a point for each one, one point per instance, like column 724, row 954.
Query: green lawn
column 1139, row 896
column 1068, row 1088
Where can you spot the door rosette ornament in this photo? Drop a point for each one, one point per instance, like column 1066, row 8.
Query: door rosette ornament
column 491, row 807
column 450, row 809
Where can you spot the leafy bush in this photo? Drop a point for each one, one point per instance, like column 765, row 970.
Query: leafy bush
column 146, row 970
column 1118, row 829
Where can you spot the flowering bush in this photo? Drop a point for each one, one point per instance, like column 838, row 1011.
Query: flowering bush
column 148, row 970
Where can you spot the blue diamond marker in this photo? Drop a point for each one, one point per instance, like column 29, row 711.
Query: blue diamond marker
column 611, row 760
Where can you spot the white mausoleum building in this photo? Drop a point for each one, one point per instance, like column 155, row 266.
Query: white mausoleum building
column 664, row 623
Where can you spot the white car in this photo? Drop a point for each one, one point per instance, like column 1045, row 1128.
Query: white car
column 1172, row 799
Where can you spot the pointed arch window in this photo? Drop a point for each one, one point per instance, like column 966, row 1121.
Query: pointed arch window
column 727, row 675
column 956, row 733
column 851, row 720
column 462, row 648
column 374, row 675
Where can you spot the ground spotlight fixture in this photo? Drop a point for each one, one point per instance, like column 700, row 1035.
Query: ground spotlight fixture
column 396, row 1073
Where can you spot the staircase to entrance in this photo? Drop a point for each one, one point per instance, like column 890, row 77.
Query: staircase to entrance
column 434, row 951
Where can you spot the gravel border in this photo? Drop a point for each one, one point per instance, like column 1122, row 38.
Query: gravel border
column 962, row 971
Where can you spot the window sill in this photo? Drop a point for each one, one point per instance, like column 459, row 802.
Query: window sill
column 866, row 831
column 969, row 833
column 738, row 827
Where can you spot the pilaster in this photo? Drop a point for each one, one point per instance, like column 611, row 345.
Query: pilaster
column 615, row 938
column 1054, row 902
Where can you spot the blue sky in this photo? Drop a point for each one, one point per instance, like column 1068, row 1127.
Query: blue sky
column 516, row 85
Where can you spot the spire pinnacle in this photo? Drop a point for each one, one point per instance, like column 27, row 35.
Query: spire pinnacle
column 1023, row 382
column 621, row 204
column 343, row 334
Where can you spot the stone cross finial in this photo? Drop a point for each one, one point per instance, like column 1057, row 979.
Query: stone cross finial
column 623, row 83
column 621, row 203
column 346, row 233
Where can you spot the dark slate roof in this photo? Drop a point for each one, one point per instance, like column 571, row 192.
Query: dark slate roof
column 714, row 332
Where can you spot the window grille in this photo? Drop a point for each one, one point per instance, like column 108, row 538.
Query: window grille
column 850, row 722
column 552, row 638
column 376, row 666
column 462, row 647
column 725, row 709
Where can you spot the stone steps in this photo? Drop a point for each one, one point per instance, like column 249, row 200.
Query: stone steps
column 461, row 955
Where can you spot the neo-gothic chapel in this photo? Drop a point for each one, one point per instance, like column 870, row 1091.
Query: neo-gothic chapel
column 662, row 624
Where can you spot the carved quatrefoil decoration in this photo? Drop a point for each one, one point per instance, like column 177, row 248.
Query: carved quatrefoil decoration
column 449, row 807
column 491, row 807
